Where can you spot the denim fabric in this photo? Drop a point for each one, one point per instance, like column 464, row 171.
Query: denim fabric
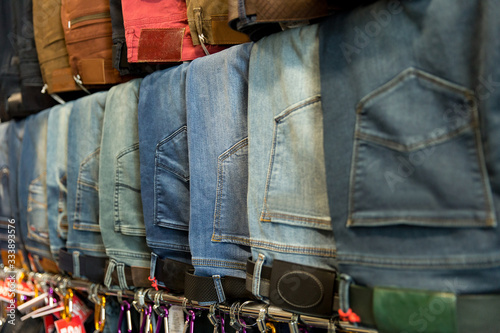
column 9, row 62
column 84, row 145
column 164, row 163
column 216, row 100
column 33, row 186
column 288, row 210
column 5, row 197
column 57, row 155
column 14, row 143
column 120, row 205
column 411, row 92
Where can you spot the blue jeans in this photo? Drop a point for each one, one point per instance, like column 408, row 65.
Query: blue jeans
column 411, row 93
column 32, row 186
column 120, row 206
column 5, row 197
column 57, row 153
column 164, row 163
column 288, row 210
column 216, row 100
column 14, row 143
column 84, row 145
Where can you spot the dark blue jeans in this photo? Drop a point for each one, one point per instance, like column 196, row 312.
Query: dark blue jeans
column 411, row 93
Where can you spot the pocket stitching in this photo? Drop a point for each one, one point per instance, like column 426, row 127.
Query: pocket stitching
column 117, row 220
column 78, row 224
column 472, row 125
column 265, row 215
column 33, row 234
column 217, row 233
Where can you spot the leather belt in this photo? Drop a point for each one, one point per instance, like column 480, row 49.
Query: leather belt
column 395, row 309
column 134, row 277
column 383, row 308
column 296, row 288
column 202, row 289
column 171, row 273
column 91, row 267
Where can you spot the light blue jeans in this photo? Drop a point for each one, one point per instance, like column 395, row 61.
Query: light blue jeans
column 164, row 163
column 411, row 93
column 288, row 210
column 32, row 185
column 84, row 146
column 216, row 100
column 120, row 205
column 57, row 155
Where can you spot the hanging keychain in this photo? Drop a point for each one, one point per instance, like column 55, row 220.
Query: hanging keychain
column 146, row 320
column 270, row 327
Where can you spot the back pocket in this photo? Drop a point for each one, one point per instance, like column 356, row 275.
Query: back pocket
column 230, row 218
column 86, row 215
column 171, row 194
column 296, row 183
column 127, row 200
column 418, row 158
column 38, row 224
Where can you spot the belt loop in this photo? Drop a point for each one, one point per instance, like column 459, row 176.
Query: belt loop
column 257, row 276
column 109, row 271
column 122, row 280
column 76, row 264
column 218, row 288
column 345, row 283
column 152, row 268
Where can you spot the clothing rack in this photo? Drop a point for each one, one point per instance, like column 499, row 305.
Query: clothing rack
column 249, row 309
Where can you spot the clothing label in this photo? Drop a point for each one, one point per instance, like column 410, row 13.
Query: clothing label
column 48, row 323
column 70, row 326
column 175, row 319
column 80, row 309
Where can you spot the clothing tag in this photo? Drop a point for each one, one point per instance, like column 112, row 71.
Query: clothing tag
column 80, row 309
column 175, row 319
column 70, row 326
column 48, row 323
column 24, row 288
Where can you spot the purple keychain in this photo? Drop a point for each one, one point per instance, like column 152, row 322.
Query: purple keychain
column 125, row 308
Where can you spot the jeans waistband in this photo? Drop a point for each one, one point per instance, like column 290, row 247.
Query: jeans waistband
column 215, row 289
column 87, row 266
column 125, row 276
column 171, row 273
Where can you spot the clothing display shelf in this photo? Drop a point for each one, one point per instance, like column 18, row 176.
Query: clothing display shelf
column 250, row 309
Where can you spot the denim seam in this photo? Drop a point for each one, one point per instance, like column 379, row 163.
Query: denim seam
column 294, row 217
column 60, row 224
column 418, row 263
column 416, row 146
column 414, row 72
column 282, row 247
column 220, row 183
column 296, row 107
column 128, row 254
column 184, row 248
column 218, row 263
column 77, row 214
column 79, row 246
column 120, row 271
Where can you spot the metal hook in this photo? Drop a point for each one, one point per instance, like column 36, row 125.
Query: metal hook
column 294, row 323
column 162, row 312
column 242, row 323
column 125, row 308
column 119, row 296
column 261, row 320
column 233, row 322
column 138, row 302
column 271, row 327
column 147, row 321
